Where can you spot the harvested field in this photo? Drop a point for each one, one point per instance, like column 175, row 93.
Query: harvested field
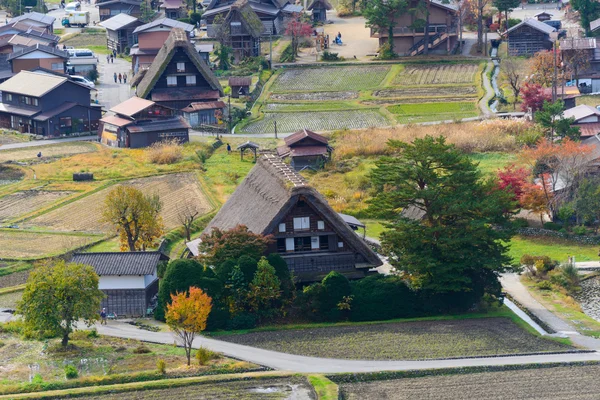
column 423, row 112
column 317, row 121
column 439, row 91
column 436, row 74
column 314, row 96
column 14, row 205
column 332, row 79
column 263, row 389
column 9, row 300
column 22, row 244
column 10, row 175
column 58, row 150
column 404, row 341
column 565, row 383
column 84, row 215
column 14, row 279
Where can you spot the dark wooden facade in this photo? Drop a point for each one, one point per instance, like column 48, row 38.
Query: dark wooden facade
column 108, row 9
column 526, row 40
column 129, row 302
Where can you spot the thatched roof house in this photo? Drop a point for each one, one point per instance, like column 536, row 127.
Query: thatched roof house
column 178, row 76
column 313, row 239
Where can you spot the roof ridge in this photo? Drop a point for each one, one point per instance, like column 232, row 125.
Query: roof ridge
column 284, row 170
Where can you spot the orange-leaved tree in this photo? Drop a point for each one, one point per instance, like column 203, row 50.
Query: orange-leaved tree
column 533, row 198
column 187, row 315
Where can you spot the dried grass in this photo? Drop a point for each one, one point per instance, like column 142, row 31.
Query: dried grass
column 484, row 136
column 165, row 152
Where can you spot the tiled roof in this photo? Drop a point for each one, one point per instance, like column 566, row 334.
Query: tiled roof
column 125, row 263
column 535, row 24
column 34, row 16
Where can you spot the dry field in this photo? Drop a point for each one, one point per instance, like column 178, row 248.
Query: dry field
column 59, row 150
column 330, row 79
column 84, row 215
column 22, row 244
column 436, row 74
column 443, row 92
column 17, row 204
column 564, row 383
column 264, row 389
column 404, row 341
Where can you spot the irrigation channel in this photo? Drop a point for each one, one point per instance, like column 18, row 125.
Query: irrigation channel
column 494, row 80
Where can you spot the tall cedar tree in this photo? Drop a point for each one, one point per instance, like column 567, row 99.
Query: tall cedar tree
column 455, row 251
column 551, row 118
column 382, row 15
column 57, row 295
column 506, row 6
column 187, row 315
column 220, row 246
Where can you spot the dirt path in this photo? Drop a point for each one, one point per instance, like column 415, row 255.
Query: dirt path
column 489, row 92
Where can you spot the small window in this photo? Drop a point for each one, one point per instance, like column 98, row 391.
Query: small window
column 58, row 66
column 65, row 122
column 281, row 227
column 301, row 223
column 236, row 28
column 320, row 225
column 340, row 244
column 8, row 97
column 190, row 80
column 324, row 242
column 281, row 245
column 34, row 101
column 314, row 243
column 180, row 67
column 171, row 81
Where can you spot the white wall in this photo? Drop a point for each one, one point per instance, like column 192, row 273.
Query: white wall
column 592, row 118
column 121, row 282
column 148, row 279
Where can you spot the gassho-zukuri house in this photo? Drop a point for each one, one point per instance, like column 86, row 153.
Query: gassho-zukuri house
column 312, row 238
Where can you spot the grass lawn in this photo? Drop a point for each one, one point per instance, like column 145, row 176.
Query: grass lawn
column 563, row 382
column 590, row 100
column 556, row 249
column 408, row 340
column 374, row 227
column 490, row 163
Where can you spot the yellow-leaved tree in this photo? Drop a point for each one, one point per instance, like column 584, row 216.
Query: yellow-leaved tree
column 187, row 315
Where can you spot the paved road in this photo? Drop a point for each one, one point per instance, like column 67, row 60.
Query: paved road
column 289, row 362
column 110, row 93
column 489, row 92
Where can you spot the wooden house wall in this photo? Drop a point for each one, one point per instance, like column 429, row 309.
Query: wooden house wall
column 190, row 69
column 145, row 139
column 526, row 41
column 130, row 302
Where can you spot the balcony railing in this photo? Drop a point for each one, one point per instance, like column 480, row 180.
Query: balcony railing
column 405, row 30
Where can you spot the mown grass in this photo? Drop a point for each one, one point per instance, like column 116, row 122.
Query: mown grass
column 9, row 299
column 426, row 112
column 326, row 390
column 490, row 163
column 374, row 228
column 557, row 249
column 590, row 100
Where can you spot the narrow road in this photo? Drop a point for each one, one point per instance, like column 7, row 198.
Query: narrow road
column 489, row 92
column 49, row 142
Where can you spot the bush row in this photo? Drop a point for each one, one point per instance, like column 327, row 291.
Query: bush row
column 594, row 240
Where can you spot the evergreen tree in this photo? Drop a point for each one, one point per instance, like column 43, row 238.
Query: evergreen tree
column 455, row 252
column 264, row 288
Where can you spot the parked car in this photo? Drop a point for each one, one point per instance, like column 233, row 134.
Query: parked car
column 83, row 81
column 73, row 6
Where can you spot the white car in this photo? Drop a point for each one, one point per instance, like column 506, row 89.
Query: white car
column 83, row 81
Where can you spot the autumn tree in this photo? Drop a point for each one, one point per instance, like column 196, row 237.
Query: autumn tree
column 297, row 29
column 186, row 214
column 187, row 315
column 512, row 72
column 265, row 288
column 533, row 97
column 381, row 16
column 535, row 199
column 135, row 216
column 58, row 295
column 219, row 246
column 513, row 179
column 541, row 68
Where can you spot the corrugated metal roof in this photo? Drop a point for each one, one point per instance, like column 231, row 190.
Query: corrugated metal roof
column 204, row 105
column 34, row 16
column 191, row 93
column 587, row 130
column 303, row 151
column 580, row 112
column 55, row 111
column 159, row 125
column 118, row 22
column 578, row 43
column 595, row 24
column 240, row 81
column 32, row 84
column 168, row 22
column 535, row 24
column 39, row 47
column 116, row 121
column 8, row 108
column 125, row 263
column 132, row 106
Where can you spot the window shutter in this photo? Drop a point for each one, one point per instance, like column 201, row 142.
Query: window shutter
column 305, row 222
column 297, row 224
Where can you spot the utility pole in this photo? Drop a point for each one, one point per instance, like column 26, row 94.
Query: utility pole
column 554, row 36
column 275, row 126
column 229, row 111
column 271, row 49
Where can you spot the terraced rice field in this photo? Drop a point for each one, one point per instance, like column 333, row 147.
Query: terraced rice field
column 423, row 112
column 436, row 74
column 421, row 92
column 404, row 341
column 17, row 204
column 565, row 383
column 59, row 150
column 317, row 121
column 314, row 96
column 84, row 215
column 330, row 79
column 25, row 244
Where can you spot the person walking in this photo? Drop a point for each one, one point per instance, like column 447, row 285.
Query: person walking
column 228, row 149
column 114, row 52
column 112, row 60
column 107, row 59
column 103, row 317
column 115, row 76
column 124, row 78
column 120, row 77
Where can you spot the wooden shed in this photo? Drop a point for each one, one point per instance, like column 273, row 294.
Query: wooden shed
column 543, row 16
column 319, row 10
column 528, row 37
column 306, row 150
column 240, row 85
column 119, row 31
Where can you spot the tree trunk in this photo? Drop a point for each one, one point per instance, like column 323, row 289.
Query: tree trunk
column 506, row 19
column 426, row 33
column 188, row 353
column 479, row 26
column 391, row 38
column 65, row 339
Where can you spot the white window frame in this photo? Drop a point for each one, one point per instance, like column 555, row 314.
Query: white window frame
column 340, row 244
column 289, row 245
column 321, row 225
column 170, row 78
column 301, row 223
column 188, row 78
column 180, row 67
column 282, row 227
column 314, row 243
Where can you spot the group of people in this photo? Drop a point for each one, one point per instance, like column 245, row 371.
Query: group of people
column 122, row 78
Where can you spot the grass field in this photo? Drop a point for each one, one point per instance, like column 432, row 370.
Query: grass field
column 26, row 244
column 9, row 300
column 58, row 150
column 564, row 382
column 332, row 79
column 557, row 249
column 404, row 341
column 424, row 112
column 590, row 100
column 490, row 163
column 84, row 215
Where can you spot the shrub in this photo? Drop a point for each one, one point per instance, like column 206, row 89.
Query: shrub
column 553, row 226
column 580, row 230
column 320, row 300
column 218, row 318
column 165, row 152
column 565, row 276
column 329, row 56
column 161, row 366
column 242, row 321
column 287, row 55
column 37, row 379
column 520, row 223
column 141, row 350
column 385, row 52
column 93, row 75
column 248, row 266
column 513, row 21
column 195, row 17
column 93, row 333
column 380, row 297
column 71, row 371
column 544, row 285
column 204, row 355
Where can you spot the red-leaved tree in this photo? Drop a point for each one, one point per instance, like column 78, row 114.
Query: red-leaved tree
column 513, row 179
column 533, row 97
column 297, row 29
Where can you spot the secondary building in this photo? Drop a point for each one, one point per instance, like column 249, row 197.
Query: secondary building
column 38, row 56
column 110, row 8
column 46, row 104
column 319, row 9
column 128, row 279
column 587, row 119
column 243, row 30
column 528, row 37
column 119, row 32
column 178, row 76
column 312, row 238
column 306, row 149
column 139, row 123
column 36, row 19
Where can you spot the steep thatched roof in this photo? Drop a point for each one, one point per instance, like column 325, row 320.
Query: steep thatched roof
column 319, row 4
column 248, row 17
column 177, row 39
column 268, row 194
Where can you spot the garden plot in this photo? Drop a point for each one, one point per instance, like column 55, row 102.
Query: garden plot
column 565, row 383
column 423, row 112
column 31, row 245
column 445, row 92
column 10, row 175
column 436, row 74
column 313, row 96
column 17, row 204
column 330, row 79
column 404, row 341
column 318, row 121
column 59, row 150
column 85, row 215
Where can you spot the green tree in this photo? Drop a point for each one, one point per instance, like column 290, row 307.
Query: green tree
column 551, row 118
column 587, row 202
column 264, row 290
column 454, row 252
column 381, row 16
column 506, row 6
column 57, row 295
column 589, row 10
column 146, row 11
column 565, row 213
column 220, row 246
column 237, row 291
